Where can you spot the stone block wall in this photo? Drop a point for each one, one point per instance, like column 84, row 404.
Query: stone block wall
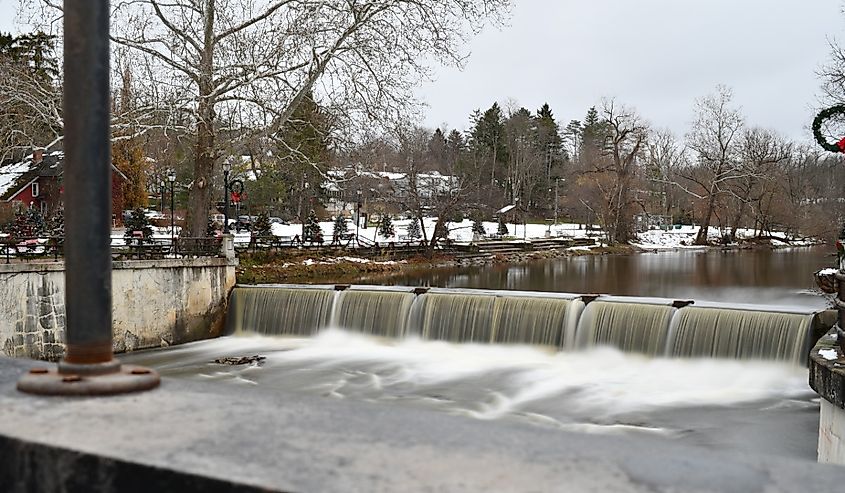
column 155, row 303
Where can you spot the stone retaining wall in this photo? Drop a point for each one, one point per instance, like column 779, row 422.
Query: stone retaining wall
column 156, row 303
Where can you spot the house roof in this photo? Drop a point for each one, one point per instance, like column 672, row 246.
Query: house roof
column 16, row 176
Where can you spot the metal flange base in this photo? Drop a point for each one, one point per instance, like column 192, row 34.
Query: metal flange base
column 122, row 380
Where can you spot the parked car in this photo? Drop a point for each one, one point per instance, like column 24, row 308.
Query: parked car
column 244, row 222
column 278, row 220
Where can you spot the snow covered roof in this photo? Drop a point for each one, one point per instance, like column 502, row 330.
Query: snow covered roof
column 506, row 209
column 14, row 176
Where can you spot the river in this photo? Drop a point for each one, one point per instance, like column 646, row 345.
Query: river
column 775, row 277
column 759, row 407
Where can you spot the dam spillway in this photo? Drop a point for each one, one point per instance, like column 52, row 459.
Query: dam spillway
column 654, row 327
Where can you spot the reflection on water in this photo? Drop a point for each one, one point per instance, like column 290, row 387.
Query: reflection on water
column 744, row 276
column 761, row 407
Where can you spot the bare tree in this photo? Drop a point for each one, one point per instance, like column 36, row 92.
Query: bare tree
column 665, row 157
column 762, row 154
column 714, row 139
column 242, row 67
column 626, row 137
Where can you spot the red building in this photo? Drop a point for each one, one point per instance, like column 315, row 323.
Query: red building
column 37, row 182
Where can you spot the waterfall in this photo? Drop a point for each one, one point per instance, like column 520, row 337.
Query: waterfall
column 631, row 327
column 280, row 311
column 454, row 317
column 522, row 320
column 739, row 334
column 650, row 326
column 380, row 313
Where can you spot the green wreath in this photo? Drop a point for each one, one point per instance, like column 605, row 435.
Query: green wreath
column 817, row 128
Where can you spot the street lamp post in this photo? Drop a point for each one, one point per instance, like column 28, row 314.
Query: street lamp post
column 227, row 167
column 171, row 177
column 162, row 189
column 357, row 213
column 557, row 181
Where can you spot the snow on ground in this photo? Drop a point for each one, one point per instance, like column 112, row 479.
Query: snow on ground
column 682, row 237
column 459, row 231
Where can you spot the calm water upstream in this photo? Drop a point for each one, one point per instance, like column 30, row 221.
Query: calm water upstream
column 739, row 276
column 760, row 407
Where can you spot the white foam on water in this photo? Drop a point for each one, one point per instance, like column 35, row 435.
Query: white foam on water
column 601, row 382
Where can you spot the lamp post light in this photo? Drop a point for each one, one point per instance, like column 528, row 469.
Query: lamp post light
column 557, row 202
column 171, row 177
column 357, row 213
column 227, row 168
column 161, row 189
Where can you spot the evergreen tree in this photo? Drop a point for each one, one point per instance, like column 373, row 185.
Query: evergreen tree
column 414, row 232
column 262, row 228
column 56, row 223
column 290, row 173
column 313, row 232
column 455, row 148
column 572, row 134
column 489, row 142
column 503, row 228
column 437, row 150
column 385, row 227
column 28, row 223
column 138, row 221
column 478, row 226
column 340, row 227
column 549, row 139
column 593, row 133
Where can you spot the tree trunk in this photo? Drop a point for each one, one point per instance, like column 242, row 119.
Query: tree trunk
column 737, row 219
column 203, row 165
column 701, row 238
column 205, row 151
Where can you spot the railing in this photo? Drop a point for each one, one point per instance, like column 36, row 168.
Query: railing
column 32, row 249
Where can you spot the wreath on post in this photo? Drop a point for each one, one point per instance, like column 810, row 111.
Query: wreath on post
column 817, row 128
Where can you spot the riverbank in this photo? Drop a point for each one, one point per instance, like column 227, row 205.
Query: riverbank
column 330, row 266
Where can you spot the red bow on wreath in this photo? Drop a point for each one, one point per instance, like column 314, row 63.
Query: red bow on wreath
column 841, row 144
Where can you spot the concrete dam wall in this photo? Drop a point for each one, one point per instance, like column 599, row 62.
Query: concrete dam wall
column 650, row 326
column 156, row 303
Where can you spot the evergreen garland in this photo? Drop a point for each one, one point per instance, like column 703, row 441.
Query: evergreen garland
column 817, row 128
column 385, row 227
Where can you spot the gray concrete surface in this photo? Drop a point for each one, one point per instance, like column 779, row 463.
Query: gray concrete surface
column 296, row 442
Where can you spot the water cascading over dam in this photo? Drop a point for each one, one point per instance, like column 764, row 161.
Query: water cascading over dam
column 651, row 326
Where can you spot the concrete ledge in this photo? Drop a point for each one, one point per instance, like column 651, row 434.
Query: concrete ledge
column 827, row 377
column 275, row 441
column 169, row 263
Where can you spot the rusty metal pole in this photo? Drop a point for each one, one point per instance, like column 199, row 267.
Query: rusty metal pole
column 87, row 182
column 88, row 367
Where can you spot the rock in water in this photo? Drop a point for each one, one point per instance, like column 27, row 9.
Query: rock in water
column 240, row 360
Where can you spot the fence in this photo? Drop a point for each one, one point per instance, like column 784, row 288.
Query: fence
column 30, row 249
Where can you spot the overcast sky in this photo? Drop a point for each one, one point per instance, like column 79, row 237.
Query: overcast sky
column 655, row 55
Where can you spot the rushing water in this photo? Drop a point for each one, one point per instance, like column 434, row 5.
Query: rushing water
column 746, row 406
column 432, row 358
column 740, row 276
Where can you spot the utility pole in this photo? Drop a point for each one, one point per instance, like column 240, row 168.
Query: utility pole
column 557, row 180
